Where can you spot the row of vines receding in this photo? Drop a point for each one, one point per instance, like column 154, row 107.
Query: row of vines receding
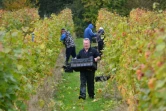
column 29, row 48
column 135, row 53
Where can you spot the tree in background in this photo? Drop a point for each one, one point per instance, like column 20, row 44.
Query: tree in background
column 1, row 5
column 78, row 10
column 122, row 7
column 84, row 11
column 146, row 4
column 47, row 7
column 91, row 10
column 93, row 6
column 118, row 6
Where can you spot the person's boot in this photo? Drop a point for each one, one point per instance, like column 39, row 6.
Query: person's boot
column 81, row 97
column 91, row 97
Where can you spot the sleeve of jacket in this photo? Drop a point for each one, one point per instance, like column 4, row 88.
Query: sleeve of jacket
column 96, row 53
column 63, row 36
column 98, row 35
column 100, row 32
column 79, row 55
column 91, row 33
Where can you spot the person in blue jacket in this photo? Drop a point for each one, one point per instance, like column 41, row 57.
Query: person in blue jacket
column 88, row 33
column 68, row 41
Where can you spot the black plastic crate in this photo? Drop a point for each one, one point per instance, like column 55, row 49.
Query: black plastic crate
column 83, row 64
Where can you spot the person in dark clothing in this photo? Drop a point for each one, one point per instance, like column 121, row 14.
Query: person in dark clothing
column 69, row 44
column 87, row 76
column 100, row 40
column 88, row 33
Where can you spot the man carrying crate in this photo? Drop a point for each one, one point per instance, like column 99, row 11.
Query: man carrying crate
column 87, row 76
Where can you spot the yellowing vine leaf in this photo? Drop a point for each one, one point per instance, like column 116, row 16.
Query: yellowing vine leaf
column 6, row 50
column 25, row 29
column 19, row 67
column 42, row 46
column 1, row 47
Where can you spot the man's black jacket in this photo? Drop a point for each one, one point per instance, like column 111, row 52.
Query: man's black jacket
column 91, row 52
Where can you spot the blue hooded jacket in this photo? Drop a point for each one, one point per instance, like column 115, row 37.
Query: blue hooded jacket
column 88, row 32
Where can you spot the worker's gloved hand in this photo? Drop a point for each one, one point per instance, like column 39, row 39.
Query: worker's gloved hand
column 96, row 59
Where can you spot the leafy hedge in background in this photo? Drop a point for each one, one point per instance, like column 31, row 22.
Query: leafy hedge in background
column 15, row 4
column 25, row 64
column 18, row 19
column 135, row 53
column 1, row 14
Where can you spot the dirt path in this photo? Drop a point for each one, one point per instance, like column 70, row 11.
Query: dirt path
column 43, row 100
